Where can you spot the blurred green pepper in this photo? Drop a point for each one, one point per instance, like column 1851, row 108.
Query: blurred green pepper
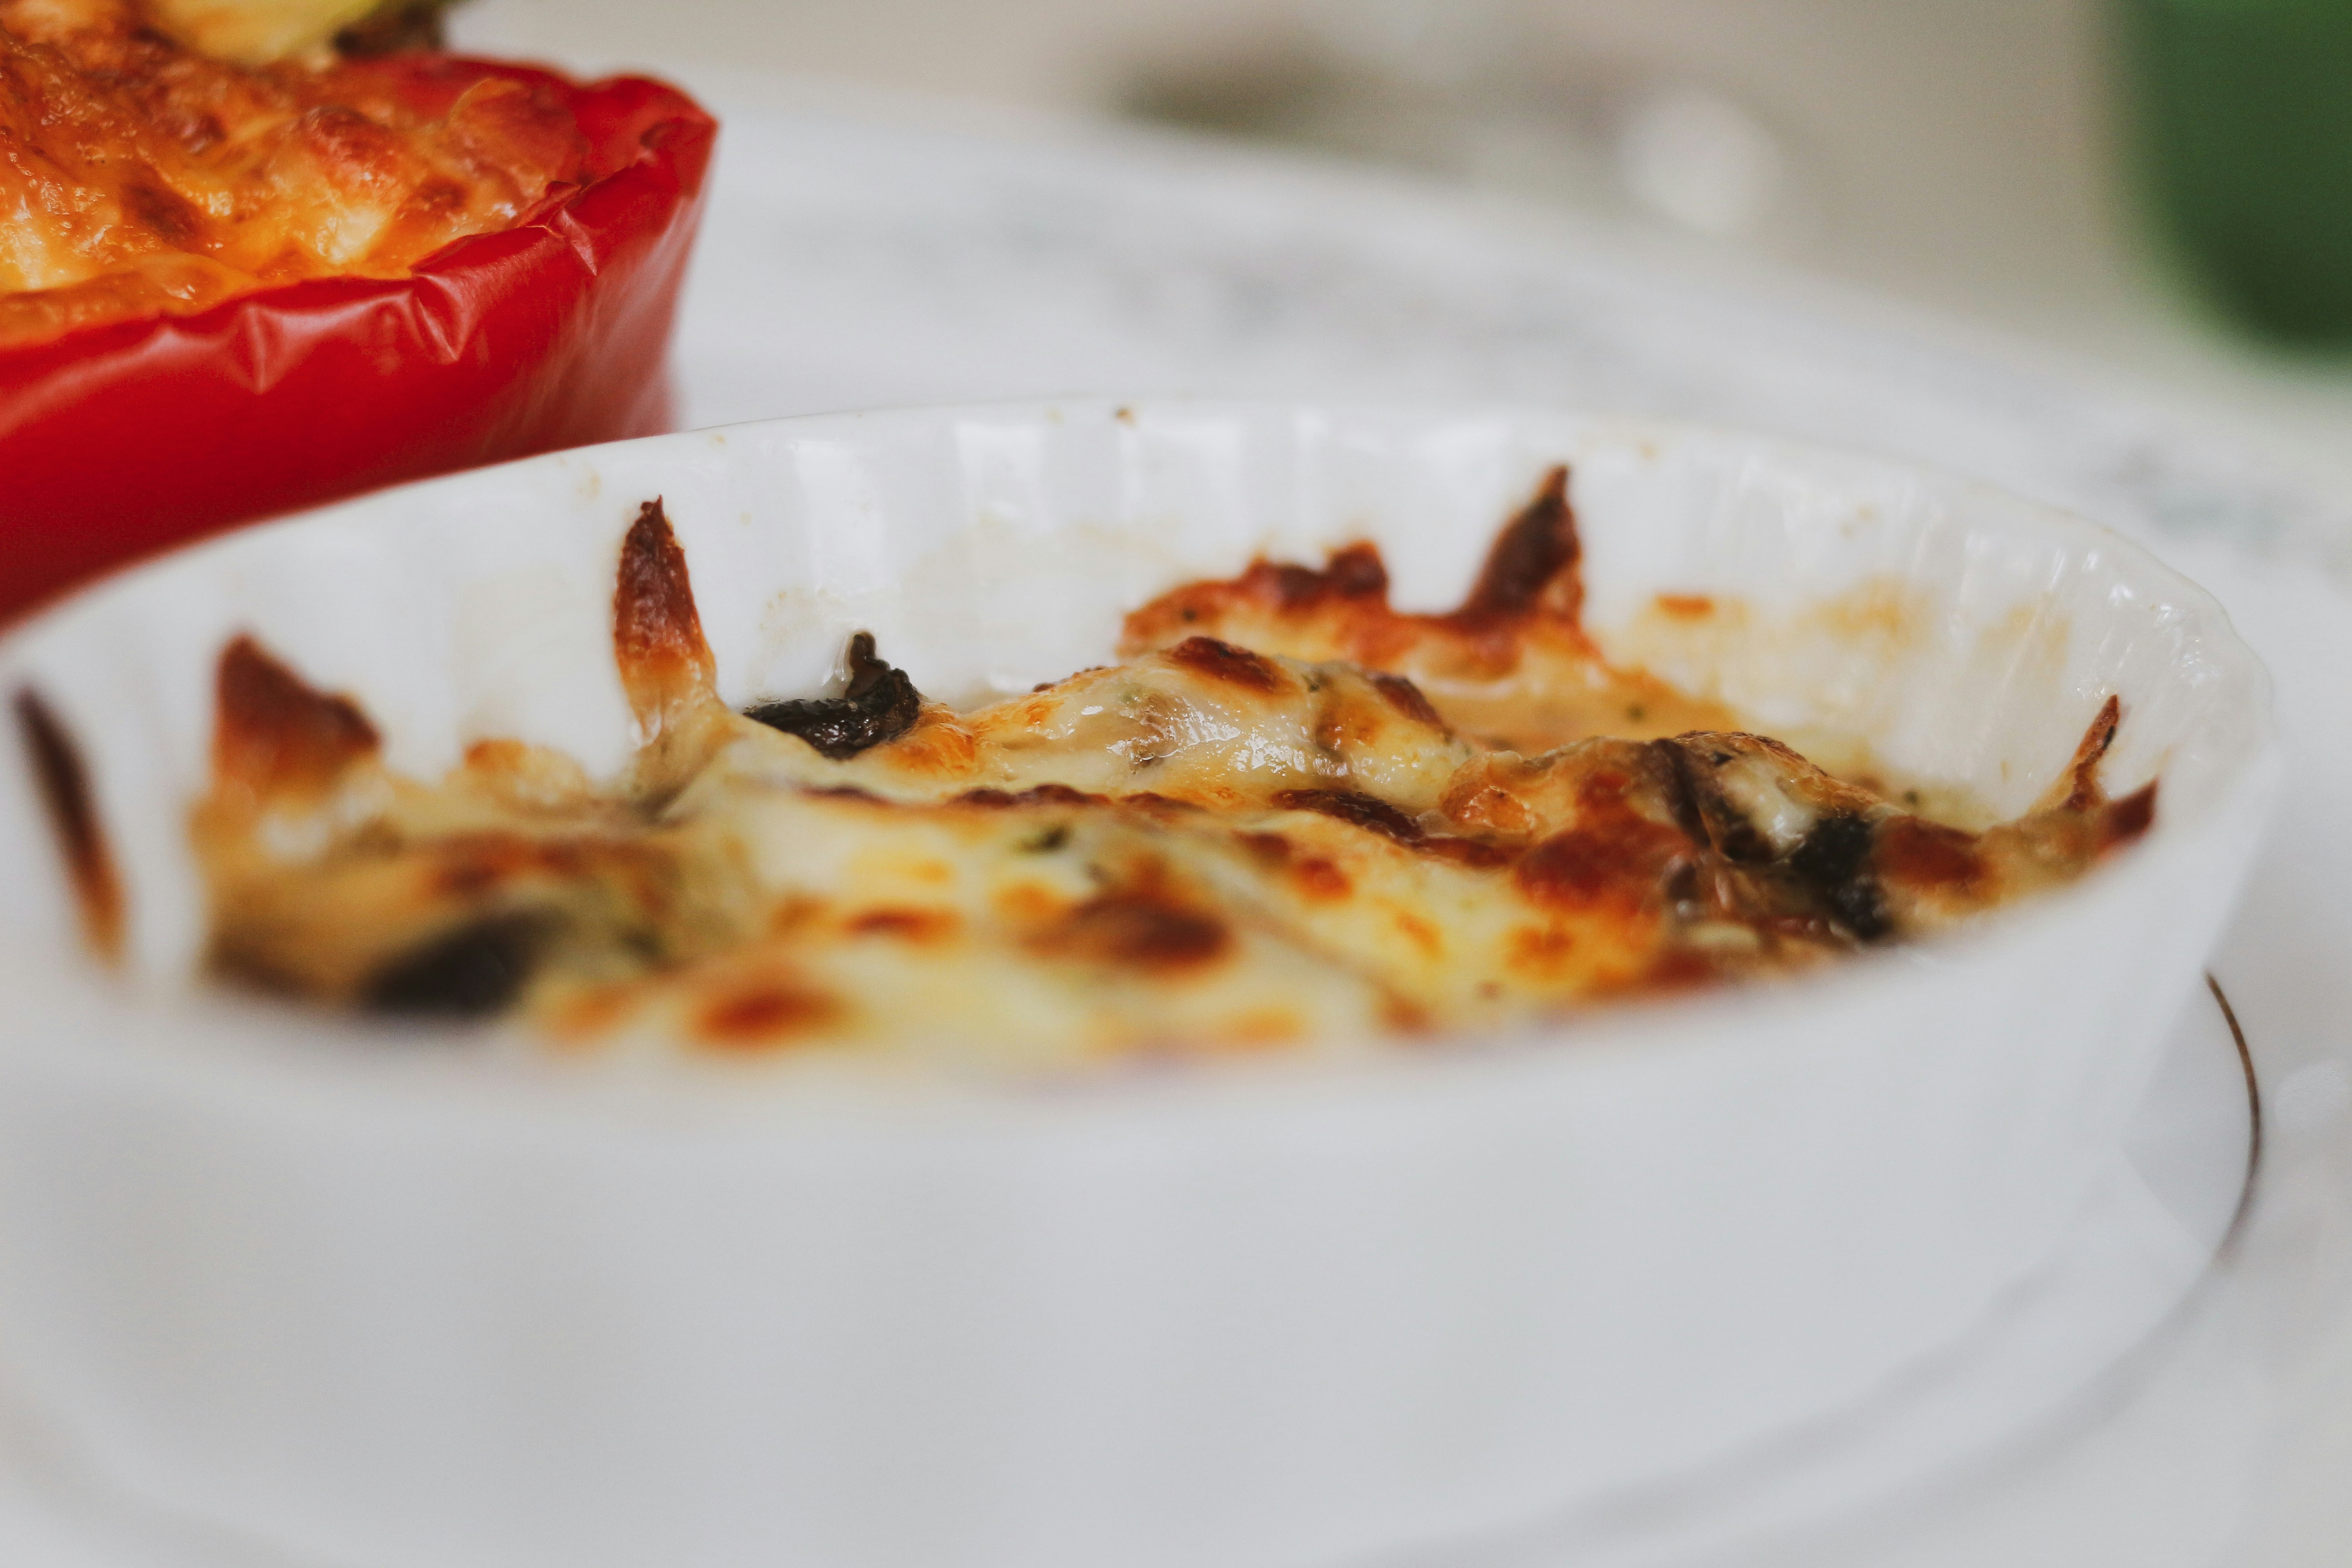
column 2245, row 129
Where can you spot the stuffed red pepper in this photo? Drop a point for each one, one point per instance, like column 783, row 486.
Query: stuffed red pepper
column 243, row 271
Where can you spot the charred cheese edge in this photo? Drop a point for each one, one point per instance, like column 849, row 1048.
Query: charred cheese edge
column 1263, row 830
column 143, row 178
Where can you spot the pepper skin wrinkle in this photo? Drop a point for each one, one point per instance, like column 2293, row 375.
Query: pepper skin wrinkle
column 231, row 290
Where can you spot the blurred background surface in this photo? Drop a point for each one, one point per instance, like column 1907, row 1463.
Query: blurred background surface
column 2111, row 180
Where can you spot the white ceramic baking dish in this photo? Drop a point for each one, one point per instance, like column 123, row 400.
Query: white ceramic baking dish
column 394, row 1299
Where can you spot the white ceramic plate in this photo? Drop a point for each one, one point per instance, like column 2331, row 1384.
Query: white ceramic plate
column 1246, row 1317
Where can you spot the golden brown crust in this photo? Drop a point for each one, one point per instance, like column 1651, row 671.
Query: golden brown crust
column 1534, row 569
column 144, row 178
column 1530, row 587
column 764, row 1016
column 657, row 632
column 2083, row 773
column 1142, row 928
column 1614, row 858
column 1212, row 845
column 2125, row 820
column 274, row 736
column 1224, row 661
column 1517, row 636
column 64, row 783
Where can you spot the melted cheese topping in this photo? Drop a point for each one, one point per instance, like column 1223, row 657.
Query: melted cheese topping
column 1209, row 846
column 138, row 177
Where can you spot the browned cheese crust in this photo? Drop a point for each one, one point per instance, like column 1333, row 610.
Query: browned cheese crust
column 1272, row 824
column 63, row 781
column 1512, row 666
column 140, row 177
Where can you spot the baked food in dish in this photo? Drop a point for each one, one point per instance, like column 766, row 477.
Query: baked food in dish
column 229, row 288
column 1214, row 844
column 592, row 1309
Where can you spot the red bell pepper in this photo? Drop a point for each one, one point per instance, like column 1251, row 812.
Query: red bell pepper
column 125, row 438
